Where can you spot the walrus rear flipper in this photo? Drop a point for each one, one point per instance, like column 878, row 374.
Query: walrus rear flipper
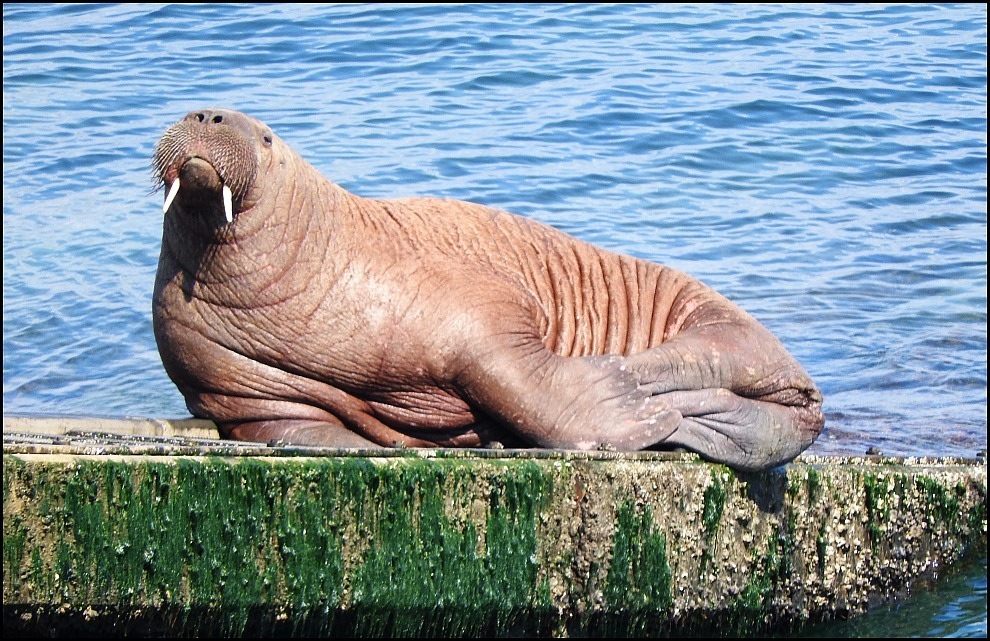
column 745, row 401
column 746, row 434
column 568, row 403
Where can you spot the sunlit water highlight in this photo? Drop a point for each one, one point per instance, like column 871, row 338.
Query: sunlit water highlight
column 824, row 166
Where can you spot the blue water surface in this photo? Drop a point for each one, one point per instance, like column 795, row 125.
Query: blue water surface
column 824, row 166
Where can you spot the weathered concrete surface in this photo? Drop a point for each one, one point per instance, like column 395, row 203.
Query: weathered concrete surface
column 181, row 536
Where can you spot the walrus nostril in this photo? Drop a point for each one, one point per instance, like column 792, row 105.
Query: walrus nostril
column 205, row 116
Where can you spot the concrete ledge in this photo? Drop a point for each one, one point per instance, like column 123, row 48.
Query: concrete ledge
column 105, row 534
column 60, row 425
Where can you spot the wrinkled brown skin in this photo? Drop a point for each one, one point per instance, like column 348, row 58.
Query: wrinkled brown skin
column 318, row 317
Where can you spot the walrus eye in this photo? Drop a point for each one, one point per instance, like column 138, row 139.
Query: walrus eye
column 267, row 139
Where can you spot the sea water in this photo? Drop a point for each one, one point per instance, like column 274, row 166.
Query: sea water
column 824, row 166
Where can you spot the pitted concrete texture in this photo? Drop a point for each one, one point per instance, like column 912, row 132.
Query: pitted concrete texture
column 172, row 534
column 150, row 427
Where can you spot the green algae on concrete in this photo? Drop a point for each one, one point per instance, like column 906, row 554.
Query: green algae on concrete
column 310, row 538
column 468, row 544
column 638, row 583
column 428, row 556
column 713, row 506
column 751, row 611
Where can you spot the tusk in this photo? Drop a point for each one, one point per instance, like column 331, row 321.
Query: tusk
column 172, row 191
column 228, row 205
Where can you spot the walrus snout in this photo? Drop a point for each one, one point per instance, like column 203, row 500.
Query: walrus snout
column 226, row 140
column 200, row 175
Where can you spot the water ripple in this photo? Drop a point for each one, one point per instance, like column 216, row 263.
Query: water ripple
column 823, row 165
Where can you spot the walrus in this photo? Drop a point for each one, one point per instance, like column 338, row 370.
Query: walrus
column 287, row 309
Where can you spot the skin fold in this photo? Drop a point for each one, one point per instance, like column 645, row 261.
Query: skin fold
column 317, row 317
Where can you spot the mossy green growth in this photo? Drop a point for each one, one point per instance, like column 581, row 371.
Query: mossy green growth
column 946, row 510
column 713, row 504
column 943, row 504
column 203, row 532
column 337, row 545
column 821, row 548
column 814, row 486
column 441, row 576
column 799, row 509
column 877, row 501
column 638, row 587
column 977, row 525
column 750, row 612
column 14, row 538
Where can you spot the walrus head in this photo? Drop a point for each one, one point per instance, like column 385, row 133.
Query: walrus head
column 213, row 156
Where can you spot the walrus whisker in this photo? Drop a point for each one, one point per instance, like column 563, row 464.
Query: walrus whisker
column 172, row 191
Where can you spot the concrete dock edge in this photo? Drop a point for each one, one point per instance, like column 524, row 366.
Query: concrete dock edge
column 149, row 528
